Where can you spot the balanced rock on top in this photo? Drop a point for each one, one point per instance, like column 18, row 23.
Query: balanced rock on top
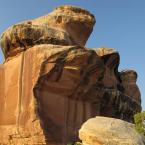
column 64, row 26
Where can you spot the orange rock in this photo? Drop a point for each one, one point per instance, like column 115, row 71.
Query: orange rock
column 50, row 83
column 129, row 78
column 109, row 131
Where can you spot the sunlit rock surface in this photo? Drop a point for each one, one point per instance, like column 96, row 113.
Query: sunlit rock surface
column 109, row 131
column 50, row 84
column 64, row 26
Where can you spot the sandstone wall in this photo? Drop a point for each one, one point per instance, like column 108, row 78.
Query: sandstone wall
column 50, row 84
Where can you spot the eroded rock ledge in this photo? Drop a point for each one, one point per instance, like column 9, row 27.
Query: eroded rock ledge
column 50, row 84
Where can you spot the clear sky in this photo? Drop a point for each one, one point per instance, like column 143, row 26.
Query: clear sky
column 120, row 24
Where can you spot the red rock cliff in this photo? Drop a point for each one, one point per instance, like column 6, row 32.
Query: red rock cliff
column 50, row 83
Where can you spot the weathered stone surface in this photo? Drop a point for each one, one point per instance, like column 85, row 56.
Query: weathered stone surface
column 114, row 103
column 67, row 75
column 67, row 65
column 67, row 83
column 50, row 84
column 129, row 78
column 111, row 60
column 64, row 26
column 116, row 88
column 109, row 131
column 76, row 21
column 23, row 36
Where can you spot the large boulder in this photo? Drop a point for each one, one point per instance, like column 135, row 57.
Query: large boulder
column 64, row 26
column 109, row 131
column 111, row 61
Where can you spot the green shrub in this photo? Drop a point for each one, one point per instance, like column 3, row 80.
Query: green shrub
column 139, row 120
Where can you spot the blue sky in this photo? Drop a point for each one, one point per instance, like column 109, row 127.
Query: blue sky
column 120, row 24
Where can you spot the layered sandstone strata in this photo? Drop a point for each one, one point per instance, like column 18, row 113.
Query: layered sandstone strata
column 50, row 83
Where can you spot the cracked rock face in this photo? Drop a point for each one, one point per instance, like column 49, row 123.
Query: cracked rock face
column 50, row 84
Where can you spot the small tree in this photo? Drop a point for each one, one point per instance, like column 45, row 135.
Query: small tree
column 139, row 120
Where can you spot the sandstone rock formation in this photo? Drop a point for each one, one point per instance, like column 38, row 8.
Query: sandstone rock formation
column 109, row 131
column 50, row 84
column 63, row 26
column 129, row 78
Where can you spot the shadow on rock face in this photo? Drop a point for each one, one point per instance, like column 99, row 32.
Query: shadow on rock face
column 50, row 84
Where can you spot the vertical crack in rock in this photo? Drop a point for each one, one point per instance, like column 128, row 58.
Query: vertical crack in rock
column 20, row 92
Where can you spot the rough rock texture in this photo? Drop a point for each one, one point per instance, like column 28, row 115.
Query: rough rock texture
column 129, row 78
column 117, row 93
column 109, row 131
column 23, row 36
column 64, row 26
column 50, row 84
column 111, row 60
